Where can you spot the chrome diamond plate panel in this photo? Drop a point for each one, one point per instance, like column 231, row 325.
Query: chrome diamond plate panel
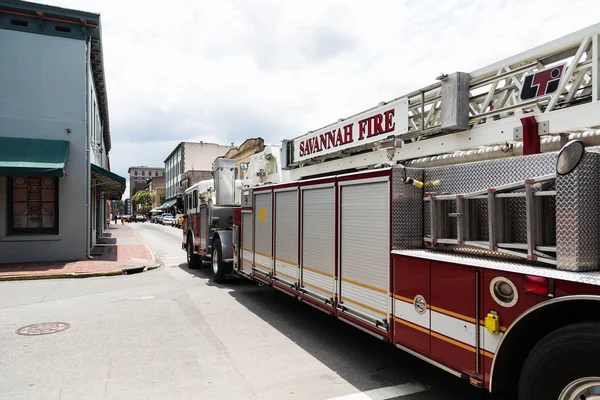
column 577, row 219
column 469, row 177
column 592, row 278
column 407, row 210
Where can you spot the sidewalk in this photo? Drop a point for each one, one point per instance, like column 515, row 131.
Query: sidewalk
column 119, row 251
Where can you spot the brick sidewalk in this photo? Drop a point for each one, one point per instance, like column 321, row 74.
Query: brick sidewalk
column 119, row 249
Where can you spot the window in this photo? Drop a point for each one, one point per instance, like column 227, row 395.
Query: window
column 32, row 205
column 155, row 173
column 135, row 173
column 143, row 173
column 195, row 203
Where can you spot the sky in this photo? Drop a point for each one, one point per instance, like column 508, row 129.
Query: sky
column 227, row 70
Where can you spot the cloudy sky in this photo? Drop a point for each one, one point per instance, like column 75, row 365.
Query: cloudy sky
column 226, row 70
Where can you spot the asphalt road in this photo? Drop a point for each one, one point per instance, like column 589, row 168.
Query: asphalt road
column 172, row 334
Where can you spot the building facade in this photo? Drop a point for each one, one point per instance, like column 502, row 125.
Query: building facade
column 242, row 153
column 189, row 156
column 127, row 207
column 138, row 176
column 156, row 188
column 55, row 179
column 190, row 178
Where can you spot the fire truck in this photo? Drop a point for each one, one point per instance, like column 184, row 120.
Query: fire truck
column 460, row 222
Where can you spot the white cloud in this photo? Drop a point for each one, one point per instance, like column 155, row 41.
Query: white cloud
column 226, row 70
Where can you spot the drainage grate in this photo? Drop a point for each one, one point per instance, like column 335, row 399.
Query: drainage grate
column 43, row 328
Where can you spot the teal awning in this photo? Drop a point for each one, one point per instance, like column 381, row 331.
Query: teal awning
column 33, row 157
column 111, row 184
column 168, row 204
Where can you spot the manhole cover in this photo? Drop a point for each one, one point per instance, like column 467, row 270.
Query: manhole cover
column 43, row 328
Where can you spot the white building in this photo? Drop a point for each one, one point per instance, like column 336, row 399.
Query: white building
column 188, row 156
column 55, row 176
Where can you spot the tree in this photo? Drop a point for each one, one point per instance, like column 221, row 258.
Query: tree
column 143, row 198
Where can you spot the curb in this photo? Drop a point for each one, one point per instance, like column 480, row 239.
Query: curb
column 61, row 276
column 114, row 272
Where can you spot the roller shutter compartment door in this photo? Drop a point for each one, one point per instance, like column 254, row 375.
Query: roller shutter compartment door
column 246, row 245
column 286, row 236
column 364, row 249
column 318, row 243
column 203, row 210
column 263, row 230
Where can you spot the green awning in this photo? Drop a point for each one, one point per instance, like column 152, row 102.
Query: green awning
column 111, row 184
column 33, row 157
column 168, row 204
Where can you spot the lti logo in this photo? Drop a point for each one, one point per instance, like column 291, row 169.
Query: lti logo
column 541, row 83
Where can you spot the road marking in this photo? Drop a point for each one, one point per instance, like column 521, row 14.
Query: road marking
column 385, row 393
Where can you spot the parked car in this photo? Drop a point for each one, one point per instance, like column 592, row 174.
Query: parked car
column 128, row 218
column 167, row 219
column 154, row 219
column 140, row 218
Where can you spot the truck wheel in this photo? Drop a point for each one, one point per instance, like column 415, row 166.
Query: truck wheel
column 564, row 365
column 219, row 268
column 193, row 260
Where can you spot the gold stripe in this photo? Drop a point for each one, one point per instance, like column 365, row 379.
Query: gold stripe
column 365, row 286
column 315, row 287
column 364, row 306
column 283, row 260
column 453, row 314
column 406, row 299
column 248, row 250
column 452, row 341
column 417, row 327
column 316, row 271
column 261, row 266
column 245, row 259
column 442, row 337
column 264, row 255
column 277, row 273
column 446, row 312
column 486, row 353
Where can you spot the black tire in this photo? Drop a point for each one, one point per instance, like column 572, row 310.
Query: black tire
column 193, row 260
column 563, row 356
column 219, row 268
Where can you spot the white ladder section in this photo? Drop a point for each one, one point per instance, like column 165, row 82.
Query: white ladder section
column 536, row 248
column 500, row 95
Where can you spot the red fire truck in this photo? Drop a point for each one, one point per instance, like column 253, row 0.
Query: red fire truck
column 459, row 223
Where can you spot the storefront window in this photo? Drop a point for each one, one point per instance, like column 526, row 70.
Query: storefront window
column 33, row 205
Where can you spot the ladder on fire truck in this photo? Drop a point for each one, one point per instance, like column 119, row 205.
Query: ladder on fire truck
column 531, row 102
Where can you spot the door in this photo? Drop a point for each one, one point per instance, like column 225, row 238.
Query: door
column 263, row 229
column 453, row 316
column 412, row 303
column 286, row 236
column 364, row 275
column 247, row 255
column 203, row 211
column 318, row 242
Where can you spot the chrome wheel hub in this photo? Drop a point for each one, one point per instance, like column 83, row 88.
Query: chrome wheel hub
column 215, row 261
column 582, row 389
